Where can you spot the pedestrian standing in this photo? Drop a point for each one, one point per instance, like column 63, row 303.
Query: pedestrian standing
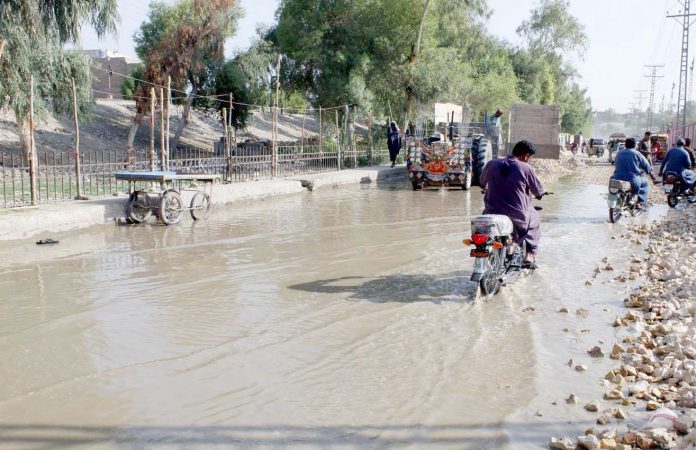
column 394, row 142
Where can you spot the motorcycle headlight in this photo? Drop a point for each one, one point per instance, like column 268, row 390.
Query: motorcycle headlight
column 613, row 190
column 419, row 175
column 418, row 160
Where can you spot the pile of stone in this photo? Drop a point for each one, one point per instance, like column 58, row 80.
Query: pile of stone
column 656, row 361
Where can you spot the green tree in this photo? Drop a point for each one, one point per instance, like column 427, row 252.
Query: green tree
column 544, row 77
column 403, row 53
column 32, row 34
column 552, row 29
column 128, row 86
column 184, row 41
column 246, row 76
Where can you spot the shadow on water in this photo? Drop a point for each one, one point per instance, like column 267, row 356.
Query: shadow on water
column 474, row 435
column 399, row 288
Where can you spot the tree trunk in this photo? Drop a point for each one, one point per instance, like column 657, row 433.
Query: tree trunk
column 185, row 116
column 2, row 46
column 24, row 138
column 412, row 58
column 130, row 155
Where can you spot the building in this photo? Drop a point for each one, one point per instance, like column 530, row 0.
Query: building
column 109, row 68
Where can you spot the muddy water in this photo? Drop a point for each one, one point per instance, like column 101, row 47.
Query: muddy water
column 339, row 318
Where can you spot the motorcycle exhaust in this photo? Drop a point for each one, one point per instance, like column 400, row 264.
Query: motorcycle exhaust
column 509, row 276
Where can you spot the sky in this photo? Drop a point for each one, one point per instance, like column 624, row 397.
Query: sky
column 624, row 35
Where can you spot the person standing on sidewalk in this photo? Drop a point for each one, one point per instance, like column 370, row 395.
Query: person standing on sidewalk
column 394, row 142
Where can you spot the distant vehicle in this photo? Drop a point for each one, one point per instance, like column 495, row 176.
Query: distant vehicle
column 597, row 148
column 614, row 146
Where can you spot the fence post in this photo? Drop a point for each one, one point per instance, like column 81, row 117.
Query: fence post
column 32, row 146
column 163, row 145
column 321, row 141
column 151, row 155
column 77, row 143
column 274, row 150
column 338, row 143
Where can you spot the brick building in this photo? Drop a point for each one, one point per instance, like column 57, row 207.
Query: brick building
column 108, row 69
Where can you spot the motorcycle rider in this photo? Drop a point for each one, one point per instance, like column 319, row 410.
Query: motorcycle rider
column 509, row 185
column 677, row 160
column 629, row 166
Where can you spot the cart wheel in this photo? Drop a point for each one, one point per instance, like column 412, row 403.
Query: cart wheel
column 138, row 209
column 171, row 207
column 200, row 206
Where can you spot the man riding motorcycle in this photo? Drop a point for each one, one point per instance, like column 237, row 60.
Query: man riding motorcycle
column 677, row 161
column 629, row 166
column 509, row 186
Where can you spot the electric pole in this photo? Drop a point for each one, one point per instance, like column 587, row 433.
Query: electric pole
column 684, row 20
column 653, row 78
column 640, row 95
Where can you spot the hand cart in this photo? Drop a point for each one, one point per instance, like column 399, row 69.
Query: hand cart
column 167, row 204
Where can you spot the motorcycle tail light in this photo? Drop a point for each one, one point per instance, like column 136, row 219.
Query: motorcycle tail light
column 670, row 179
column 480, row 239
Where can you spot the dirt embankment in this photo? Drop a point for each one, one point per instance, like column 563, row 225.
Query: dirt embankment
column 110, row 121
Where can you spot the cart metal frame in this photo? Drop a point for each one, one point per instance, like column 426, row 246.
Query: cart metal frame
column 167, row 204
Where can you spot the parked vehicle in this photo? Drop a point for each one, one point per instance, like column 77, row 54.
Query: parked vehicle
column 498, row 260
column 676, row 189
column 621, row 200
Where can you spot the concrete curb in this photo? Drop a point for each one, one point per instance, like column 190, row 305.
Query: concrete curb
column 23, row 223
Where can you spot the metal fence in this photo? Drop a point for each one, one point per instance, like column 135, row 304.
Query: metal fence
column 56, row 179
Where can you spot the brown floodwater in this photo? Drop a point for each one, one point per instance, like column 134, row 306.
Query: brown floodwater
column 340, row 318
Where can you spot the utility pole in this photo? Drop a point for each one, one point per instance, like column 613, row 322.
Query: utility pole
column 653, row 78
column 640, row 95
column 691, row 84
column 684, row 20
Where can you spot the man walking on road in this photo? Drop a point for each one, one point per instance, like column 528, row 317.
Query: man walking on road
column 510, row 184
column 393, row 142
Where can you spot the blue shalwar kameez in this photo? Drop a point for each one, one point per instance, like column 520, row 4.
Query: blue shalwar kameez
column 630, row 164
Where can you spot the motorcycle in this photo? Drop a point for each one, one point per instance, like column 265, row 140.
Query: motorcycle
column 621, row 200
column 498, row 260
column 676, row 189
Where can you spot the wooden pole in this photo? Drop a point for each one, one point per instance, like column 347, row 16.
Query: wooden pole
column 32, row 146
column 233, row 129
column 352, row 140
column 321, row 141
column 163, row 144
column 169, row 113
column 338, row 141
column 274, row 153
column 78, row 175
column 151, row 156
column 369, row 135
column 304, row 117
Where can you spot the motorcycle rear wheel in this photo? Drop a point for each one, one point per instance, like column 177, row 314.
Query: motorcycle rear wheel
column 672, row 200
column 490, row 281
column 616, row 212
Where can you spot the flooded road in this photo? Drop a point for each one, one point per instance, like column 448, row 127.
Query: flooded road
column 340, row 318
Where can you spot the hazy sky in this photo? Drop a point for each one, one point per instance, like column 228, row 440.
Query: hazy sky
column 624, row 36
